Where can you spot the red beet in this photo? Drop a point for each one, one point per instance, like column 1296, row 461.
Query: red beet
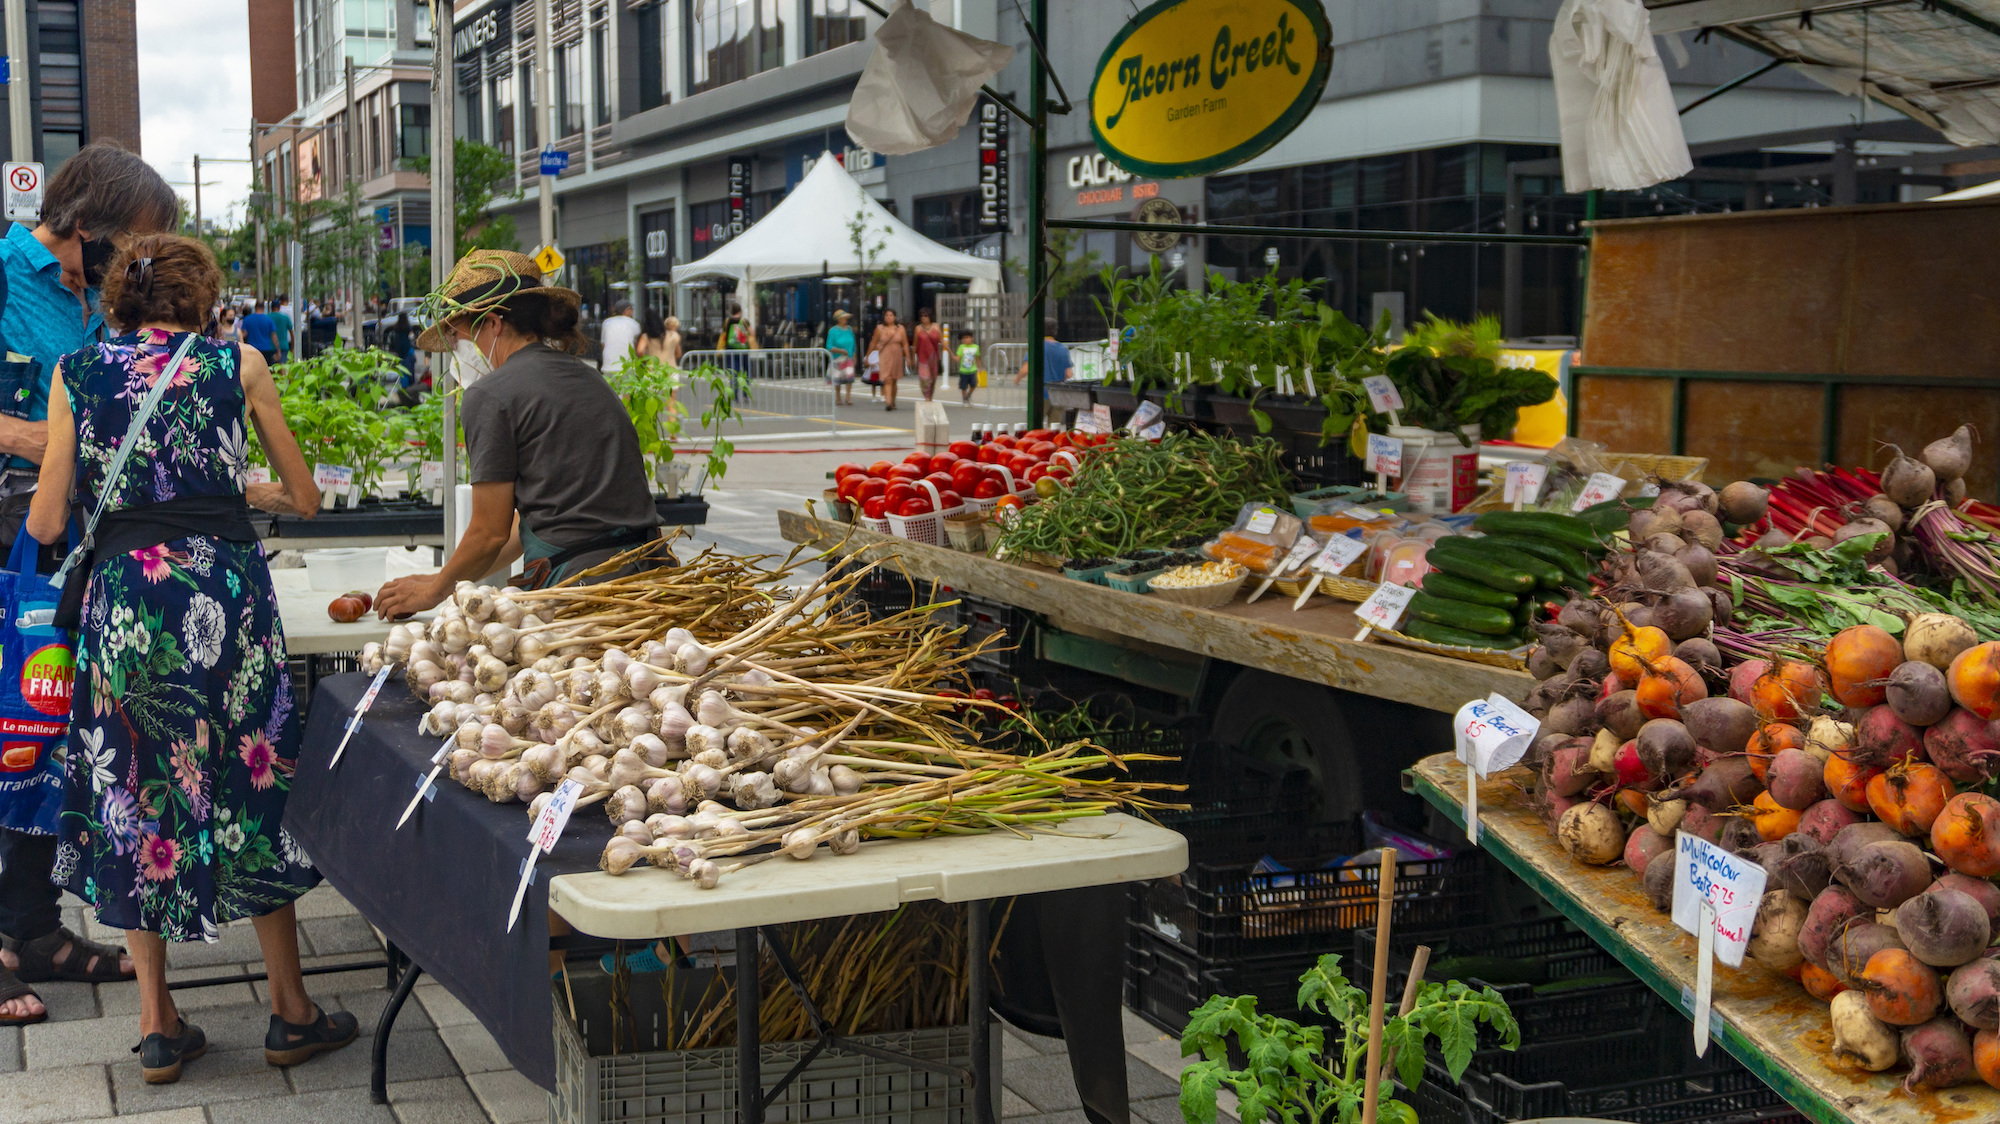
column 1569, row 770
column 1940, row 1055
column 1665, row 748
column 1828, row 914
column 1856, row 941
column 1978, row 889
column 1743, row 677
column 1796, row 779
column 1619, row 713
column 1722, row 725
column 1725, row 783
column 1881, row 739
column 1629, row 769
column 1886, row 874
column 1974, row 993
column 1824, row 820
column 1963, row 746
column 1642, row 846
column 1701, row 823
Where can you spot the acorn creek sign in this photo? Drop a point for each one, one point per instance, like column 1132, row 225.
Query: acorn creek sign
column 1191, row 87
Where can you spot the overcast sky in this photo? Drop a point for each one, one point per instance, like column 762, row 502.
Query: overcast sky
column 194, row 96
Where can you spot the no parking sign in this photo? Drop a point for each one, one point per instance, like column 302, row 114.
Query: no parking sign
column 23, row 185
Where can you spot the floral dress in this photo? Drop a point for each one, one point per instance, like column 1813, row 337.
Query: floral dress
column 183, row 732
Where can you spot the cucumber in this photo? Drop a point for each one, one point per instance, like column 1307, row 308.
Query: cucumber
column 1445, row 634
column 1524, row 616
column 1571, row 562
column 1614, row 515
column 1545, row 572
column 1437, row 583
column 1461, row 614
column 1568, row 530
column 1481, row 569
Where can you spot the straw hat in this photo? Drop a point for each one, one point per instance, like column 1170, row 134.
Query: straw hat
column 843, row 315
column 482, row 281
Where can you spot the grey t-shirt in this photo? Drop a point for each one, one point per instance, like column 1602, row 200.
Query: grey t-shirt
column 550, row 425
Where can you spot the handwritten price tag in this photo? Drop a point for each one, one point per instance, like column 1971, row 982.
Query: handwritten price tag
column 337, row 477
column 1385, row 607
column 1490, row 734
column 1145, row 415
column 1382, row 394
column 548, row 827
column 1093, row 422
column 1102, row 413
column 430, row 475
column 261, row 474
column 1261, row 521
column 1385, row 455
column 1524, row 482
column 1339, row 553
column 1733, row 887
column 1601, row 486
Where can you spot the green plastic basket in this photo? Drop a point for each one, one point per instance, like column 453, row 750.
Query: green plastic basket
column 1132, row 581
column 1319, row 501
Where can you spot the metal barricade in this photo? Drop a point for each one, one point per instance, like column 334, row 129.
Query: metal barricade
column 998, row 390
column 780, row 392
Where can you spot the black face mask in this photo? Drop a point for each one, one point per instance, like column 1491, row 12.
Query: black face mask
column 97, row 254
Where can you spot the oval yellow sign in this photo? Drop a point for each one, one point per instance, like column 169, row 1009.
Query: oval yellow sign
column 1191, row 87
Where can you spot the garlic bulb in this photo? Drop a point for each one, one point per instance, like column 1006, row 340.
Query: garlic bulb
column 610, row 688
column 371, row 657
column 667, row 794
column 626, row 804
column 656, row 653
column 652, row 750
column 461, row 762
column 599, row 766
column 753, row 790
column 426, row 674
column 615, row 661
column 583, row 689
column 514, row 717
column 714, row 710
column 637, row 832
column 529, row 648
column 627, row 768
column 800, row 844
column 535, row 812
column 700, row 780
column 477, row 601
column 423, row 650
column 526, row 784
column 506, row 611
column 457, row 637
column 705, row 873
column 712, row 758
column 702, row 738
column 792, row 775
column 633, row 722
column 396, row 647
column 641, row 681
column 667, row 825
column 672, row 723
column 490, row 674
column 499, row 638
column 692, row 658
column 582, row 741
column 620, row 855
column 545, row 760
column 845, row 843
column 846, row 782
column 746, row 744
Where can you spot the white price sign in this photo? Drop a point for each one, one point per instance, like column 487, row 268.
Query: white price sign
column 1491, row 734
column 1261, row 521
column 548, row 827
column 1524, row 481
column 1093, row 422
column 1339, row 553
column 1385, row 455
column 430, row 475
column 1145, row 415
column 1382, row 394
column 1732, row 886
column 1102, row 413
column 335, row 477
column 1601, row 487
column 1385, row 607
column 259, row 474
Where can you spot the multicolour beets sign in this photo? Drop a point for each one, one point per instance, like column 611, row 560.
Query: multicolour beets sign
column 1191, row 87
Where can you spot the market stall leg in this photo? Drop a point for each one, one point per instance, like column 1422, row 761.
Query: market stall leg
column 749, row 1082
column 378, row 1068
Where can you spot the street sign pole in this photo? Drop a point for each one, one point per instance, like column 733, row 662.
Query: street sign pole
column 545, row 103
column 444, row 233
column 20, row 75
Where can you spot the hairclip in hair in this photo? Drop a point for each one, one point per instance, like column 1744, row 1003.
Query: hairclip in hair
column 139, row 271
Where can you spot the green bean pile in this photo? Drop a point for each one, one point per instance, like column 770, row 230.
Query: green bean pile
column 1130, row 494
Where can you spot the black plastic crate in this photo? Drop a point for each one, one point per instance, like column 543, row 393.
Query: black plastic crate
column 1013, row 653
column 1164, row 982
column 884, row 593
column 1558, row 982
column 1648, row 1076
column 1224, row 909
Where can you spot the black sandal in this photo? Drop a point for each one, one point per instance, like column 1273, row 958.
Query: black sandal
column 11, row 988
column 160, row 1056
column 38, row 959
column 291, row 1043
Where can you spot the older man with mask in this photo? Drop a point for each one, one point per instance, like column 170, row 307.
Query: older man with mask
column 52, row 272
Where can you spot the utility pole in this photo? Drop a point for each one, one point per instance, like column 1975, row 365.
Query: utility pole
column 1038, row 168
column 20, row 122
column 444, row 232
column 197, row 196
column 264, row 291
column 352, row 164
column 545, row 102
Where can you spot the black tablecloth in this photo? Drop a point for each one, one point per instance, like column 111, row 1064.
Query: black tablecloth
column 440, row 888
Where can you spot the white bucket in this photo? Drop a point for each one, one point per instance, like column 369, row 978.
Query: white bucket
column 341, row 570
column 1439, row 474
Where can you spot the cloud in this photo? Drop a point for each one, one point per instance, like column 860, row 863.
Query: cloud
column 194, row 96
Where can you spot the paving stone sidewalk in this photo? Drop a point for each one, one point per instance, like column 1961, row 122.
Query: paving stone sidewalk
column 77, row 1068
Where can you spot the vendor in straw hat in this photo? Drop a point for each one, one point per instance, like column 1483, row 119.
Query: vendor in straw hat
column 557, row 477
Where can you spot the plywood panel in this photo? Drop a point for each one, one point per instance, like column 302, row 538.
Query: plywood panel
column 1626, row 415
column 1924, row 300
column 1630, row 296
column 1874, row 416
column 1753, row 429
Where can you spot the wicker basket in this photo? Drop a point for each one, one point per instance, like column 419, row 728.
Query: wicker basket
column 1492, row 657
column 966, row 531
column 1210, row 596
column 1356, row 590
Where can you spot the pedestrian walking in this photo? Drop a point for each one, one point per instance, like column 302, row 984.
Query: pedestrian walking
column 840, row 344
column 260, row 332
column 619, row 332
column 930, row 348
column 281, row 320
column 968, row 368
column 892, row 344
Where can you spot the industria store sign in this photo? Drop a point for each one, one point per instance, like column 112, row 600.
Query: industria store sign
column 1191, row 87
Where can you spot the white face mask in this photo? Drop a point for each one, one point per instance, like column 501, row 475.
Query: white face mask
column 470, row 364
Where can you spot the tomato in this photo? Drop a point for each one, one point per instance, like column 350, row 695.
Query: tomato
column 1010, row 501
column 874, row 507
column 868, row 487
column 1046, row 487
column 846, row 488
column 1039, row 435
column 1060, row 470
column 1060, row 440
column 943, row 462
column 988, row 488
column 948, row 499
column 1019, row 464
column 880, row 469
column 1041, row 449
column 989, row 453
column 921, row 460
column 965, row 476
column 906, row 472
column 900, row 491
column 964, row 450
column 1037, row 472
column 1002, row 440
column 843, row 471
column 915, row 505
column 941, row 479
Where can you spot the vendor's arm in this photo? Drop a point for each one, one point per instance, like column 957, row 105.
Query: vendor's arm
column 490, row 541
column 48, row 512
column 23, row 438
column 295, row 493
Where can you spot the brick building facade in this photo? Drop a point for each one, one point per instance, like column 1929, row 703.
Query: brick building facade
column 110, row 71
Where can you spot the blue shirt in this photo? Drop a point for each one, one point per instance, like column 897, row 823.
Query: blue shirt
column 43, row 320
column 282, row 322
column 842, row 338
column 1055, row 362
column 259, row 332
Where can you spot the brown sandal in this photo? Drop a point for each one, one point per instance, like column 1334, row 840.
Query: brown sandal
column 11, row 988
column 38, row 958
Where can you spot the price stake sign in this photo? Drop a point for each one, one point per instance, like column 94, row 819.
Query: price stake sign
column 1491, row 734
column 1601, row 487
column 425, row 789
column 1524, row 482
column 1145, row 415
column 1102, row 413
column 1338, row 554
column 543, row 833
column 260, row 474
column 360, row 708
column 1384, row 608
column 333, row 477
column 1385, row 455
column 1093, row 422
column 430, row 476
column 1716, row 895
column 1382, row 393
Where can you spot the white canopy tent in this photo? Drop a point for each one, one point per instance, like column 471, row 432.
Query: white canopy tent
column 807, row 235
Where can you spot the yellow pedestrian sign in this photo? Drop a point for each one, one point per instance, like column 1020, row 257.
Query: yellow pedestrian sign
column 549, row 258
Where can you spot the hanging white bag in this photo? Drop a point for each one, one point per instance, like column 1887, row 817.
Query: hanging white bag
column 921, row 83
column 1620, row 128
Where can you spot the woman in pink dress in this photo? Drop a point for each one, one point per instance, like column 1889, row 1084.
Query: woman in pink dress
column 892, row 343
column 930, row 347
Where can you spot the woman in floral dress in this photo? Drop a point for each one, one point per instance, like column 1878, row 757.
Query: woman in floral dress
column 183, row 727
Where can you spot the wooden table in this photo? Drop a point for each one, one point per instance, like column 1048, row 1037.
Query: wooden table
column 1764, row 1020
column 1315, row 644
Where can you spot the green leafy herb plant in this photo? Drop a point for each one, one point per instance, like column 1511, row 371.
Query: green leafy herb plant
column 1295, row 1074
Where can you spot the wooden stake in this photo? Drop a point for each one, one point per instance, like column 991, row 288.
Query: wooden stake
column 1419, row 964
column 1378, row 997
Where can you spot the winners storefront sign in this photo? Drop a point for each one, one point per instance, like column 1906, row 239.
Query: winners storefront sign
column 1191, row 87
